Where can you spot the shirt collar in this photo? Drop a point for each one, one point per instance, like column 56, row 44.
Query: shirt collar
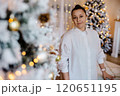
column 86, row 30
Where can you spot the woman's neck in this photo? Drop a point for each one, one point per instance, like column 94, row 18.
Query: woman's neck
column 82, row 29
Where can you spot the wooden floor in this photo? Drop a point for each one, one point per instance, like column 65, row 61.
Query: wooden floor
column 113, row 60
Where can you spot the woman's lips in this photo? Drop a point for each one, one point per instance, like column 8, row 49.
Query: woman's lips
column 79, row 23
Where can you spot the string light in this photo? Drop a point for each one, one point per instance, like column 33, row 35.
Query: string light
column 69, row 4
column 24, row 72
column 36, row 60
column 1, row 78
column 44, row 49
column 23, row 66
column 41, row 46
column 23, row 53
column 18, row 73
column 11, row 76
column 31, row 64
column 75, row 3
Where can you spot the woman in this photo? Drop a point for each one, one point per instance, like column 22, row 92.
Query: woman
column 80, row 50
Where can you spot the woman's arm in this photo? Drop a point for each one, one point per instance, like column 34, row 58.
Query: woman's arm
column 104, row 73
column 64, row 52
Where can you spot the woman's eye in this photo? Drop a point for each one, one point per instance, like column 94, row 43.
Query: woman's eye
column 81, row 16
column 74, row 17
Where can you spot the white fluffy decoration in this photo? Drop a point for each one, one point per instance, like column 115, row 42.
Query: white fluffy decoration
column 4, row 33
column 3, row 8
column 17, row 5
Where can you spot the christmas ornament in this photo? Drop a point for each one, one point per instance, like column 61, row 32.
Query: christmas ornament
column 44, row 18
column 58, row 58
column 14, row 24
column 51, row 76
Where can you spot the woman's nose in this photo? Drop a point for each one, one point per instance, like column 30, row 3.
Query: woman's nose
column 78, row 19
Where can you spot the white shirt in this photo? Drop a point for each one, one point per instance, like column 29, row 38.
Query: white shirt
column 80, row 53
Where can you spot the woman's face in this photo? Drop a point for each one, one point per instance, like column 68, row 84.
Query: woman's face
column 79, row 19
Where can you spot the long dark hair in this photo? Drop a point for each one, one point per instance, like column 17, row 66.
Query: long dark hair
column 78, row 7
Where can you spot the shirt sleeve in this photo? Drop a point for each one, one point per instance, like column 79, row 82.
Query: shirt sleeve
column 100, row 53
column 64, row 51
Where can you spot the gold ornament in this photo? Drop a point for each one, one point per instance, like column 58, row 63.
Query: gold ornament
column 44, row 18
column 51, row 76
column 58, row 58
column 14, row 24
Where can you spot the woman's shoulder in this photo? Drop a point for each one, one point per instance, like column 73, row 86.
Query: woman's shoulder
column 68, row 34
column 92, row 31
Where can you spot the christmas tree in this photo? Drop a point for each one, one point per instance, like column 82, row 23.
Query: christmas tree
column 28, row 43
column 99, row 21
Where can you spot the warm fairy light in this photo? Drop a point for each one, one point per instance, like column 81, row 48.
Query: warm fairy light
column 91, row 23
column 10, row 20
column 41, row 46
column 23, row 66
column 31, row 64
column 1, row 78
column 68, row 25
column 86, row 8
column 67, row 28
column 58, row 7
column 74, row 3
column 69, row 5
column 11, row 76
column 36, row 60
column 69, row 12
column 23, row 53
column 24, row 72
column 51, row 47
column 107, row 26
column 44, row 49
column 42, row 27
column 55, row 0
column 18, row 73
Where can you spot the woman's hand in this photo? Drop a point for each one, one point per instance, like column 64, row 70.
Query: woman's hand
column 106, row 75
